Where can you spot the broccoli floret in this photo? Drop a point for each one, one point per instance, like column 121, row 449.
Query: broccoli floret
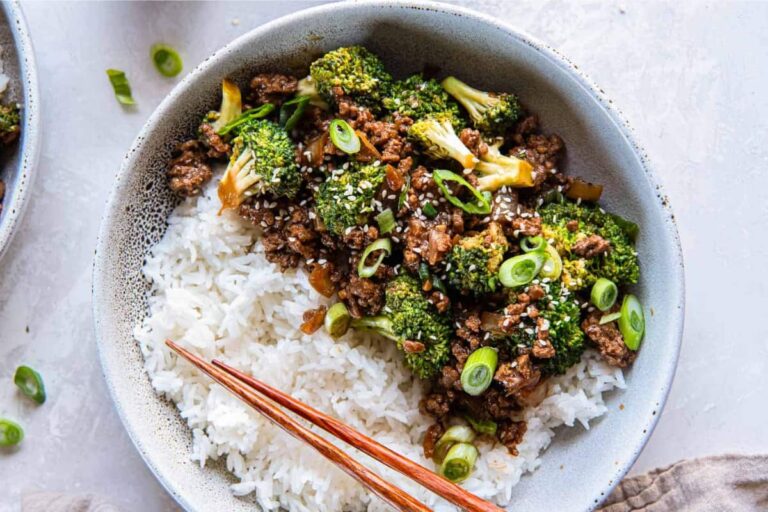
column 10, row 123
column 563, row 316
column 490, row 112
column 231, row 106
column 473, row 263
column 358, row 72
column 418, row 97
column 408, row 315
column 619, row 264
column 263, row 161
column 499, row 170
column 346, row 197
column 440, row 141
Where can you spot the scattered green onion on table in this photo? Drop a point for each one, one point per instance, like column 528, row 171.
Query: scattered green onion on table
column 30, row 383
column 11, row 433
column 167, row 61
column 120, row 86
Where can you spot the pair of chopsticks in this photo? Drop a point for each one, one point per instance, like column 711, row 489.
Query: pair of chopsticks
column 250, row 390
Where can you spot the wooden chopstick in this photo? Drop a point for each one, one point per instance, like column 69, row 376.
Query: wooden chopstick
column 386, row 491
column 435, row 483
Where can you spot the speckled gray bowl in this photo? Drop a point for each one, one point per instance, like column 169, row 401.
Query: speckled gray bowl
column 18, row 162
column 580, row 467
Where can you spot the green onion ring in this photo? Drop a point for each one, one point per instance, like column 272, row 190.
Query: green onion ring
column 486, row 427
column 455, row 434
column 553, row 264
column 533, row 243
column 478, row 370
column 254, row 113
column 611, row 317
column 459, row 462
column 11, row 433
column 292, row 110
column 632, row 322
column 386, row 221
column 483, row 205
column 521, row 269
column 30, row 383
column 120, row 86
column 337, row 320
column 382, row 244
column 429, row 210
column 344, row 137
column 604, row 293
column 167, row 60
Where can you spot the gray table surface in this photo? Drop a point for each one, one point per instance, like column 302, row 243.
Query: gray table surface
column 690, row 76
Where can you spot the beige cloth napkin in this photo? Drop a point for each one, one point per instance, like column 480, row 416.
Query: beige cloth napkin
column 728, row 483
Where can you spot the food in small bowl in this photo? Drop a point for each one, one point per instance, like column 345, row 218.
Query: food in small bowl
column 407, row 254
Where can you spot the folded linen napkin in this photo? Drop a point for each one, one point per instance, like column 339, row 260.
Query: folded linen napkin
column 726, row 483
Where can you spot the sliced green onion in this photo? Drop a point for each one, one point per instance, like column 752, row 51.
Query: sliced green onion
column 337, row 320
column 553, row 264
column 533, row 243
column 254, row 113
column 423, row 271
column 429, row 211
column 478, row 370
column 344, row 137
column 604, row 293
column 167, row 60
column 481, row 207
column 404, row 193
column 292, row 110
column 487, row 427
column 459, row 462
column 11, row 433
column 521, row 269
column 382, row 244
column 30, row 383
column 632, row 322
column 121, row 86
column 610, row 317
column 386, row 221
column 455, row 434
column 439, row 285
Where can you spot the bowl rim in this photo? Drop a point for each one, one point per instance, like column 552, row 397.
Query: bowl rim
column 15, row 203
column 676, row 287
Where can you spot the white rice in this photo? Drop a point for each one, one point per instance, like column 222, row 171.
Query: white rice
column 214, row 291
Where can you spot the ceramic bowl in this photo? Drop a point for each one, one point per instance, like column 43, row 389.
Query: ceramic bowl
column 18, row 162
column 580, row 467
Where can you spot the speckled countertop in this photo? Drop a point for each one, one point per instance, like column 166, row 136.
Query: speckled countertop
column 690, row 77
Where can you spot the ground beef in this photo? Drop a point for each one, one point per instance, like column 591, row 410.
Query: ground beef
column 536, row 292
column 189, row 170
column 413, row 347
column 511, row 433
column 450, row 378
column 289, row 231
column 431, row 437
column 572, row 226
column 608, row 340
column 518, row 374
column 542, row 346
column 543, row 152
column 390, row 137
column 358, row 238
column 272, row 88
column 495, row 405
column 441, row 301
column 437, row 404
column 363, row 297
column 427, row 240
column 216, row 146
column 591, row 246
column 474, row 141
column 526, row 226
